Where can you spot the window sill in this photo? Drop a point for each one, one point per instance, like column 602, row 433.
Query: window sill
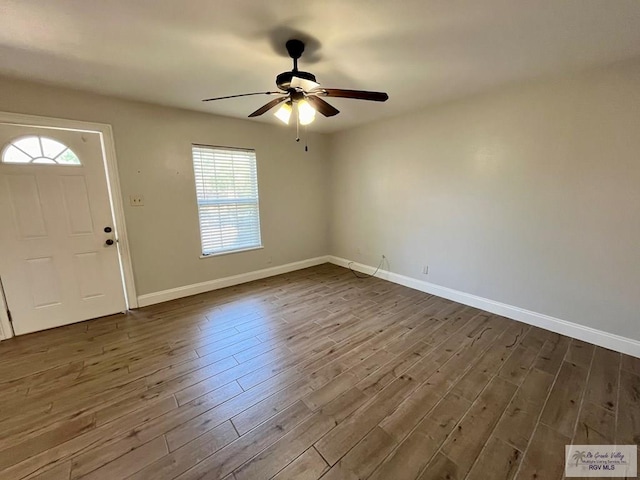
column 230, row 252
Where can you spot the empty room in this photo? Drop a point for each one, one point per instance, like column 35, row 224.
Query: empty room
column 337, row 240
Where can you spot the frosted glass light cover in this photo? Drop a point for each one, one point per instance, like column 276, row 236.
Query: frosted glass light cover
column 306, row 113
column 284, row 113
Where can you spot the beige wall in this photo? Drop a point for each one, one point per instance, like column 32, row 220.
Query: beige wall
column 153, row 147
column 529, row 196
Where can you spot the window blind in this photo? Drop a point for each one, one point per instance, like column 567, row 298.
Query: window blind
column 227, row 191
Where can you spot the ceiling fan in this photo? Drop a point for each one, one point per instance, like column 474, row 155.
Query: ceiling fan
column 300, row 90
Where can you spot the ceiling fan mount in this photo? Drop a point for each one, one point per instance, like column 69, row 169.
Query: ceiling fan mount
column 295, row 48
column 297, row 87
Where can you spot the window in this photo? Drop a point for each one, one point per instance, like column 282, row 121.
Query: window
column 227, row 192
column 38, row 149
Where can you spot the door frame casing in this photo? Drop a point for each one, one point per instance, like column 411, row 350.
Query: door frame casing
column 5, row 325
column 115, row 196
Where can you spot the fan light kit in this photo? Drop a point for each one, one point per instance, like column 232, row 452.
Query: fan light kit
column 284, row 113
column 300, row 92
column 306, row 113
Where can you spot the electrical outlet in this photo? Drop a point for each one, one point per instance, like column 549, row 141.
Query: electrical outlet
column 136, row 200
column 425, row 269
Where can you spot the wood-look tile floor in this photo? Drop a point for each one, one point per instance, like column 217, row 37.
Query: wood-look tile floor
column 312, row 374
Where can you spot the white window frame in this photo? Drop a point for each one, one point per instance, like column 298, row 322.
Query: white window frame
column 208, row 253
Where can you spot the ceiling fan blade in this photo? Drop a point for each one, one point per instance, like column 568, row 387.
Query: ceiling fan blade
column 303, row 83
column 357, row 94
column 321, row 106
column 243, row 95
column 268, row 106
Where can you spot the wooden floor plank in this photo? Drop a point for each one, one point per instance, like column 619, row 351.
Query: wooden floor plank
column 409, row 459
column 631, row 364
column 545, row 456
column 130, row 462
column 580, row 353
column 520, row 418
column 562, row 408
column 596, row 426
column 246, row 447
column 60, row 472
column 314, row 373
column 499, row 461
column 274, row 458
column 362, row 460
column 189, row 455
column 442, row 468
column 93, row 439
column 40, row 443
column 308, row 466
column 602, row 388
column 416, row 450
column 468, row 438
column 628, row 425
column 112, row 447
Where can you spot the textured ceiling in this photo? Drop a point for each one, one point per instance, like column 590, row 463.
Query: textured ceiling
column 176, row 52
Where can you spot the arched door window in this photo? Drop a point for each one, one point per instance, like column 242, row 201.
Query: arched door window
column 39, row 150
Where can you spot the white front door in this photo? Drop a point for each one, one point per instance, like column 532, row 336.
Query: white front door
column 59, row 262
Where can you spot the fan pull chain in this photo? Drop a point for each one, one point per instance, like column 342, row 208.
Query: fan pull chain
column 306, row 134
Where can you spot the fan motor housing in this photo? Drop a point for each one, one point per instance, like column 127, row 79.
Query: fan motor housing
column 283, row 81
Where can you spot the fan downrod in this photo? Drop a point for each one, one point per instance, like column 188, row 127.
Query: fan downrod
column 295, row 48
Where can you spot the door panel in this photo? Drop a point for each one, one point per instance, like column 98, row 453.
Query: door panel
column 55, row 265
column 77, row 205
column 25, row 200
column 89, row 275
column 43, row 282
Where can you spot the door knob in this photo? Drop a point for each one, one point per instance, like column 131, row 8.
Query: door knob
column 108, row 229
column 109, row 242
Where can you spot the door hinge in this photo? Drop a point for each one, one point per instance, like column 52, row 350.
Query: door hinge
column 9, row 315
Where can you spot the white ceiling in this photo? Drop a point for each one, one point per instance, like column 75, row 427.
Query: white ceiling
column 176, row 52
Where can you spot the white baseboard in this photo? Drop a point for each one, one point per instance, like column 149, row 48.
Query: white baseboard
column 557, row 325
column 597, row 337
column 196, row 288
